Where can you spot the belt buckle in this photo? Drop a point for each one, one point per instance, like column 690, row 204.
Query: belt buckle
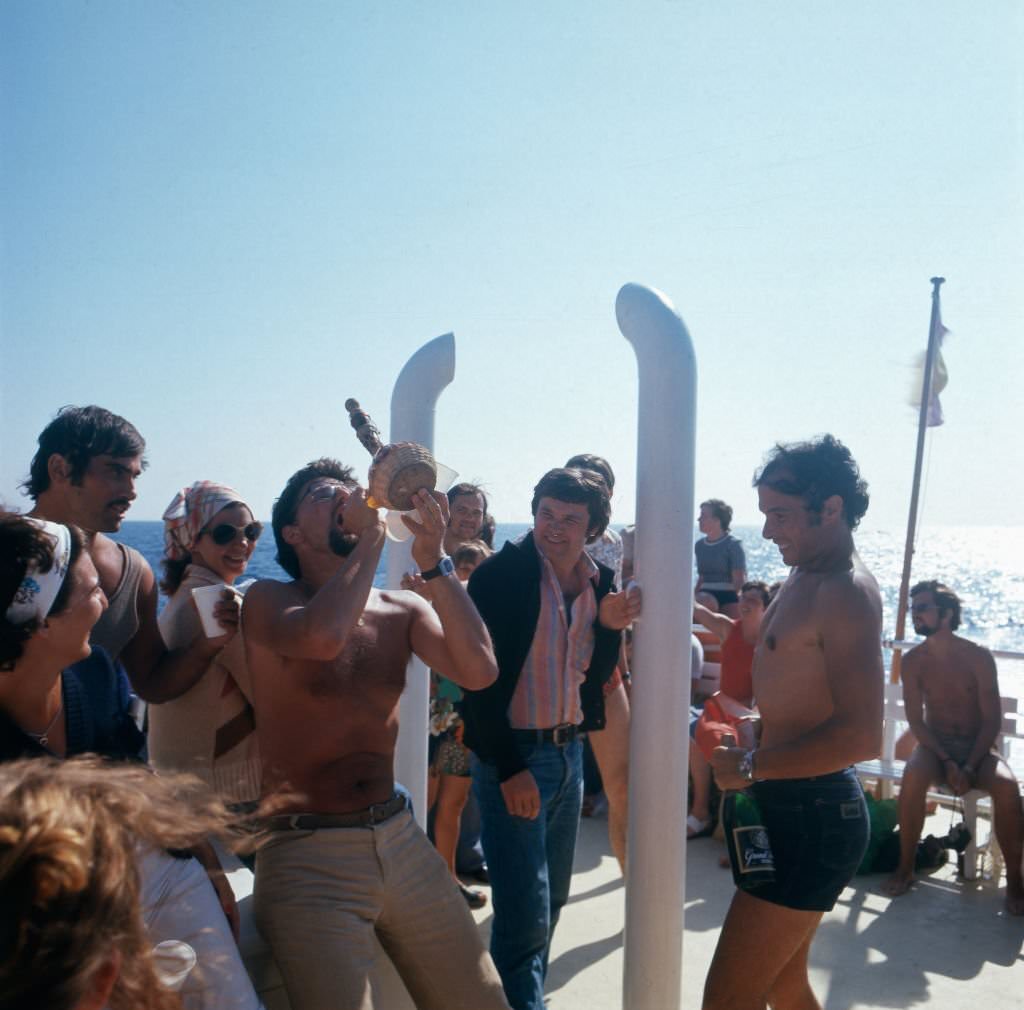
column 378, row 812
column 562, row 736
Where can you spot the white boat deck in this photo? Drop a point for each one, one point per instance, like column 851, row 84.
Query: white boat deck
column 946, row 944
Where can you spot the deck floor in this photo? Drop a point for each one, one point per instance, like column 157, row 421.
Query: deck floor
column 947, row 943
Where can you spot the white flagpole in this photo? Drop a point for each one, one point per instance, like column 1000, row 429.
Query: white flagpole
column 922, row 424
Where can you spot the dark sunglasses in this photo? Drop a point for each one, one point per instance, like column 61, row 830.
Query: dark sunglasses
column 225, row 533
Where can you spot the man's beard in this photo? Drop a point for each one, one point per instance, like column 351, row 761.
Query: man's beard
column 926, row 632
column 342, row 544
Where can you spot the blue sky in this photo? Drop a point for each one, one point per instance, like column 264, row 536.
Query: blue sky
column 221, row 220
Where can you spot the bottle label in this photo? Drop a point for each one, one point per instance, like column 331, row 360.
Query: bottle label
column 750, row 849
column 753, row 850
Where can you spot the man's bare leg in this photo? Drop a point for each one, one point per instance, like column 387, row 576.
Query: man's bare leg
column 921, row 771
column 762, row 946
column 792, row 989
column 611, row 751
column 1000, row 783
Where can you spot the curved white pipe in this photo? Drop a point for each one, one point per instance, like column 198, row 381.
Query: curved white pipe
column 413, row 400
column 659, row 738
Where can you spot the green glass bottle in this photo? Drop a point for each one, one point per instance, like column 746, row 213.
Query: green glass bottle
column 750, row 851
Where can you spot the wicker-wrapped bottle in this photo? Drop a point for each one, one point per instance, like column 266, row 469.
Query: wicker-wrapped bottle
column 398, row 470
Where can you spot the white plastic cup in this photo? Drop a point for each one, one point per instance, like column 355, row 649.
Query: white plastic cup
column 207, row 597
column 173, row 961
column 445, row 476
column 394, row 527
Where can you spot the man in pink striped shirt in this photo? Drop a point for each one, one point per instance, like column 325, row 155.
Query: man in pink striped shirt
column 556, row 621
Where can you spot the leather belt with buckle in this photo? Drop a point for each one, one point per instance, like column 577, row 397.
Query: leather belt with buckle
column 375, row 814
column 560, row 736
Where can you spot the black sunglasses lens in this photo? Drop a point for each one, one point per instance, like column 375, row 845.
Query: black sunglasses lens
column 223, row 534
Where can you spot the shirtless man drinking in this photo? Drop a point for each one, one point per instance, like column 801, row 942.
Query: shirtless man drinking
column 328, row 656
column 818, row 682
column 951, row 697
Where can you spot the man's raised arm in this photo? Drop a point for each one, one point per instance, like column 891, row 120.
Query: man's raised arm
column 455, row 642
column 718, row 624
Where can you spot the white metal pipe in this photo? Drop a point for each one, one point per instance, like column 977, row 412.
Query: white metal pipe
column 413, row 400
column 659, row 737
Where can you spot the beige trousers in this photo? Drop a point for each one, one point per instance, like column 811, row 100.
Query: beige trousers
column 321, row 896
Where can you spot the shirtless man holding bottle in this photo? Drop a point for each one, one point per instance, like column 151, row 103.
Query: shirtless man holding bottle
column 818, row 681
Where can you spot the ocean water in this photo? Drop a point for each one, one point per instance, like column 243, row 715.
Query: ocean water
column 985, row 565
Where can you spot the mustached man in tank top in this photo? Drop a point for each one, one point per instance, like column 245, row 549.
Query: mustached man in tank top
column 84, row 472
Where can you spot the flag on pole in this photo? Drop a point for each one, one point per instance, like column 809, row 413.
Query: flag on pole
column 940, row 378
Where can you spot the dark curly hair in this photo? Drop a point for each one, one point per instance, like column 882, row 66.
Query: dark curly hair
column 78, row 434
column 288, row 504
column 487, row 526
column 577, row 487
column 24, row 544
column 761, row 588
column 815, row 471
column 945, row 599
column 596, row 464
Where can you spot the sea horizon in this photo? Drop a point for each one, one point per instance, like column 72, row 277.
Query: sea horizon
column 983, row 564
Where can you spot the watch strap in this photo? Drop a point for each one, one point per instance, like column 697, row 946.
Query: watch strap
column 444, row 567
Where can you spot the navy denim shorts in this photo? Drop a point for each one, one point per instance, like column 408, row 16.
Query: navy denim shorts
column 818, row 829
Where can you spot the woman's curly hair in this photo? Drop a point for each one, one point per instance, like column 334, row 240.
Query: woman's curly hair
column 69, row 882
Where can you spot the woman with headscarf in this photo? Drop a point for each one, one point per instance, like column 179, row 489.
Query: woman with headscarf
column 59, row 695
column 209, row 536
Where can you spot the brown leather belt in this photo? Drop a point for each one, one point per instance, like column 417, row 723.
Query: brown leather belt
column 376, row 814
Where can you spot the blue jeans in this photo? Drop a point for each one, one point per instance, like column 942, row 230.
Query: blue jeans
column 530, row 864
